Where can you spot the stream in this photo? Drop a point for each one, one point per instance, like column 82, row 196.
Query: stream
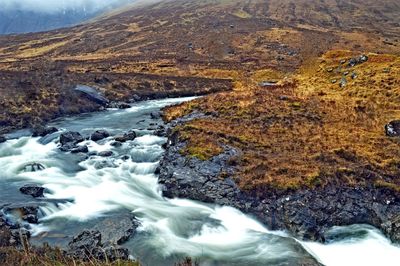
column 82, row 189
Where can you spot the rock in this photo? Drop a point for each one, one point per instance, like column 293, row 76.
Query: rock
column 2, row 139
column 33, row 190
column 70, row 137
column 392, row 129
column 160, row 131
column 33, row 167
column 80, row 149
column 99, row 135
column 116, row 144
column 88, row 245
column 131, row 135
column 155, row 115
column 83, row 245
column 343, row 82
column 136, row 98
column 92, row 94
column 105, row 153
column 41, row 131
column 117, row 229
column 354, row 75
column 358, row 60
column 267, row 83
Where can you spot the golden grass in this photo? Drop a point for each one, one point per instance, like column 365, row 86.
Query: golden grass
column 306, row 131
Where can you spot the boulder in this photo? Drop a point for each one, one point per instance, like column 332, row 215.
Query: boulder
column 92, row 94
column 131, row 135
column 2, row 139
column 99, row 135
column 116, row 144
column 392, row 129
column 41, row 131
column 123, row 106
column 33, row 190
column 70, row 137
column 80, row 149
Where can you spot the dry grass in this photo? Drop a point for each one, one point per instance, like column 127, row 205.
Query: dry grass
column 47, row 256
column 307, row 131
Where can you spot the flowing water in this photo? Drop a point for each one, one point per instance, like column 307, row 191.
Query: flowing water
column 80, row 190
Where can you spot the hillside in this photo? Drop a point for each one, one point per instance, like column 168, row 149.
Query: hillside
column 299, row 90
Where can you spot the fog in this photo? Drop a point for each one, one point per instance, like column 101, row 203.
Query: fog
column 55, row 6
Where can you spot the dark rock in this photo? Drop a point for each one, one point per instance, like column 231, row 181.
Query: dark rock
column 358, row 60
column 2, row 139
column 392, row 129
column 33, row 167
column 160, row 131
column 33, row 190
column 92, row 94
column 105, row 153
column 99, row 135
column 155, row 115
column 41, row 131
column 70, row 137
column 354, row 75
column 116, row 144
column 84, row 245
column 117, row 229
column 80, row 149
column 126, row 137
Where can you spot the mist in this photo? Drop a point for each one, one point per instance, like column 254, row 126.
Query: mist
column 56, row 6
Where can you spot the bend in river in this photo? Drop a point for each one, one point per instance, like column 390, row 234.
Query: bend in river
column 83, row 190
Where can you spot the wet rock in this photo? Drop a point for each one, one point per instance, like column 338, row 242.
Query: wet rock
column 84, row 245
column 2, row 139
column 99, row 135
column 105, row 164
column 116, row 144
column 117, row 229
column 105, row 153
column 160, row 131
column 80, row 149
column 155, row 115
column 70, row 137
column 92, row 94
column 41, row 131
column 88, row 245
column 33, row 190
column 392, row 129
column 28, row 213
column 33, row 167
column 126, row 137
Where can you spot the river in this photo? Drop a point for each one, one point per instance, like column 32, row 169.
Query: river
column 80, row 189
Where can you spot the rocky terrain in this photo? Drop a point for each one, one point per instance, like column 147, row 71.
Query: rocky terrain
column 301, row 128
